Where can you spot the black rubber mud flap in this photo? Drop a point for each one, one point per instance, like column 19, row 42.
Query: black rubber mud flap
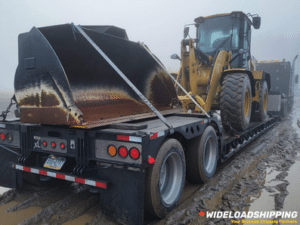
column 9, row 177
column 124, row 199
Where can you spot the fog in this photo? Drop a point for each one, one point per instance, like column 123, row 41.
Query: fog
column 159, row 24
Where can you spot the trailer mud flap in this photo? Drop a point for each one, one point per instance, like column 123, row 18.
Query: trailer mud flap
column 9, row 177
column 124, row 200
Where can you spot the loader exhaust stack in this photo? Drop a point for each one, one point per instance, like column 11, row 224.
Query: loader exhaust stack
column 61, row 78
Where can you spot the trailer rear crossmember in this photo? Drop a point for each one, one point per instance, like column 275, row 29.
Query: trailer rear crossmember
column 94, row 183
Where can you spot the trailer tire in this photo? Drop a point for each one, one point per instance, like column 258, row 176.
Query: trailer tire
column 284, row 108
column 202, row 156
column 165, row 179
column 262, row 112
column 236, row 100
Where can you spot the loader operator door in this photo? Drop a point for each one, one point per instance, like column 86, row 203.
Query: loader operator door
column 229, row 32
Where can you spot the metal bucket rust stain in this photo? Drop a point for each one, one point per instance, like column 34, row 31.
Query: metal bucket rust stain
column 62, row 79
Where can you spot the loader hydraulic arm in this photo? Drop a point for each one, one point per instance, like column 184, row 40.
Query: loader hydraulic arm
column 201, row 75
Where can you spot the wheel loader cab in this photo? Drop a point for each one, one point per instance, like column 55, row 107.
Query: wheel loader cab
column 229, row 32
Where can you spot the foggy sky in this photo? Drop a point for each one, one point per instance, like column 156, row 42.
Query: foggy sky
column 157, row 23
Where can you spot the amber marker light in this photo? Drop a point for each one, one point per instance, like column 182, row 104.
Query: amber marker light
column 112, row 151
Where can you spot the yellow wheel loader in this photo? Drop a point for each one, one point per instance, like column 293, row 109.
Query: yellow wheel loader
column 218, row 71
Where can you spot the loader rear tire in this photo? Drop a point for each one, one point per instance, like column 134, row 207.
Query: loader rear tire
column 202, row 157
column 261, row 114
column 236, row 100
column 165, row 179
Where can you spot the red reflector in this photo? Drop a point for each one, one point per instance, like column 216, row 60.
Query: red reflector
column 151, row 160
column 53, row 145
column 62, row 146
column 122, row 138
column 79, row 180
column 153, row 136
column 123, row 152
column 27, row 169
column 60, row 176
column 100, row 185
column 2, row 136
column 44, row 143
column 43, row 172
column 134, row 153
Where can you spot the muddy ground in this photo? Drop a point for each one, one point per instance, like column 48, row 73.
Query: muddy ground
column 264, row 176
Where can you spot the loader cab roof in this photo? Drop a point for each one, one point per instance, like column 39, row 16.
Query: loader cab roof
column 240, row 14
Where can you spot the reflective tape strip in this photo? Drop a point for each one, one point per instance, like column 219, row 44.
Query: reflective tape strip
column 90, row 182
column 34, row 171
column 43, row 172
column 157, row 135
column 69, row 178
column 51, row 174
column 135, row 139
column 61, row 176
column 18, row 167
column 129, row 138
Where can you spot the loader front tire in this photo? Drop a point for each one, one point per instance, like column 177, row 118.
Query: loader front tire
column 236, row 101
column 165, row 179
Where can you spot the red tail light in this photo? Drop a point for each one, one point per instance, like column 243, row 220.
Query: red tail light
column 44, row 143
column 2, row 136
column 134, row 153
column 123, row 152
column 62, row 146
column 53, row 145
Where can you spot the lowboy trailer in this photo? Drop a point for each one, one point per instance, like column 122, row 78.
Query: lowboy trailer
column 137, row 162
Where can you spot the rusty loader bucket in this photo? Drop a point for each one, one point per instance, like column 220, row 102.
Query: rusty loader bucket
column 61, row 78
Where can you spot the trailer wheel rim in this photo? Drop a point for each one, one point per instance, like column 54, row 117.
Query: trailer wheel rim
column 210, row 154
column 265, row 101
column 171, row 178
column 246, row 103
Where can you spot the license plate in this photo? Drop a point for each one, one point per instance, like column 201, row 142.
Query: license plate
column 55, row 163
